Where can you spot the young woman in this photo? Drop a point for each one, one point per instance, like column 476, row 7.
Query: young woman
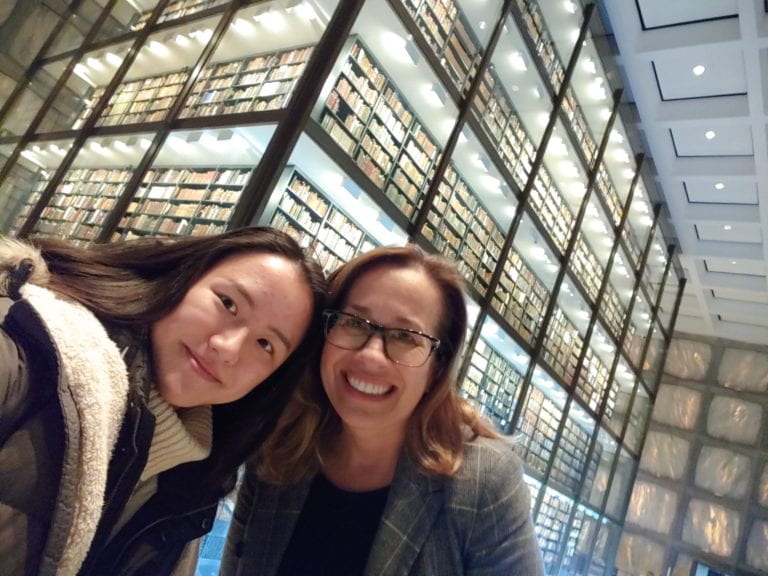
column 379, row 467
column 135, row 378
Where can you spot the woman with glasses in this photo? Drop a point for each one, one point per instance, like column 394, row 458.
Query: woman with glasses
column 379, row 467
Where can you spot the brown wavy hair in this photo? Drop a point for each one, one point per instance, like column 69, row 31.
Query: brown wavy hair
column 442, row 420
column 132, row 284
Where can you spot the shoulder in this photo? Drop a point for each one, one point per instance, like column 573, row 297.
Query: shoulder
column 490, row 472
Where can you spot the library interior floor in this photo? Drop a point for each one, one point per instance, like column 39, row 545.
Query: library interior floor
column 496, row 132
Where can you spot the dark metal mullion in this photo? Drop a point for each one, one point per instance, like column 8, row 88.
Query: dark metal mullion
column 585, row 340
column 606, row 279
column 112, row 220
column 85, row 131
column 522, row 203
column 601, row 411
column 654, row 317
column 618, row 231
column 612, row 375
column 53, row 94
column 465, row 109
column 256, row 192
column 538, row 344
column 36, row 62
column 426, row 49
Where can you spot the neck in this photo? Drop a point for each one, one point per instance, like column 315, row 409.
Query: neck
column 363, row 460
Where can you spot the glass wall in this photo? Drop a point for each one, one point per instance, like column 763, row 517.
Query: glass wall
column 434, row 123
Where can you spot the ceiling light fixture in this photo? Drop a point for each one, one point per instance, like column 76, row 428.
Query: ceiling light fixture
column 727, row 227
column 699, row 70
column 518, row 62
column 719, row 186
column 709, row 134
column 436, row 95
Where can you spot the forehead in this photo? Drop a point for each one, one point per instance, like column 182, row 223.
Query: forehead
column 247, row 264
column 395, row 292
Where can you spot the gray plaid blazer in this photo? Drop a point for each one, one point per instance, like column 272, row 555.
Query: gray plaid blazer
column 475, row 523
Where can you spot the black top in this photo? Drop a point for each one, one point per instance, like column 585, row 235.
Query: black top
column 334, row 532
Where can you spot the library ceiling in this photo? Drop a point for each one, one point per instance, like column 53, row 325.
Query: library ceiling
column 696, row 72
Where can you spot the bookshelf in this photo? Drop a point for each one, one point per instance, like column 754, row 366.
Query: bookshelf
column 317, row 223
column 562, row 346
column 520, row 297
column 449, row 35
column 175, row 201
column 550, row 526
column 80, row 203
column 492, row 383
column 257, row 83
column 460, row 227
column 176, row 10
column 537, row 430
column 373, row 124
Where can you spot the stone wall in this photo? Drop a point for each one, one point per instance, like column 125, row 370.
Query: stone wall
column 702, row 489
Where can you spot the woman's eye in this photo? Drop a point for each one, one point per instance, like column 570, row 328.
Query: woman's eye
column 266, row 345
column 228, row 303
column 403, row 337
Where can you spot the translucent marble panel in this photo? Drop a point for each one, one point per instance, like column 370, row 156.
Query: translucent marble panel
column 688, row 360
column 711, row 527
column 734, row 420
column 762, row 490
column 639, row 555
column 722, row 472
column 744, row 370
column 757, row 545
column 652, row 507
column 677, row 406
column 665, row 455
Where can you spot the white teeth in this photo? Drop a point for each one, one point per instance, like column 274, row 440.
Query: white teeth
column 368, row 388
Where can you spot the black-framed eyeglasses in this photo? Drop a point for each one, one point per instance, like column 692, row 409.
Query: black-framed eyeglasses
column 401, row 345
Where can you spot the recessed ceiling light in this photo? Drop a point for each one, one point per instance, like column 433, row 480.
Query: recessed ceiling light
column 699, row 70
column 727, row 227
column 719, row 186
column 709, row 134
column 733, row 261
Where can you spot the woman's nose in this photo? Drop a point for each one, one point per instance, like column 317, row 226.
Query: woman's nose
column 375, row 347
column 229, row 343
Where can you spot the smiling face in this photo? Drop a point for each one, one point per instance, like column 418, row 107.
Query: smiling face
column 232, row 329
column 367, row 389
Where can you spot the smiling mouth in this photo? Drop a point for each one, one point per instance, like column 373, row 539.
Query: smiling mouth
column 368, row 388
column 199, row 367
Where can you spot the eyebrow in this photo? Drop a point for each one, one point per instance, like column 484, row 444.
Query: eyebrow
column 402, row 321
column 244, row 293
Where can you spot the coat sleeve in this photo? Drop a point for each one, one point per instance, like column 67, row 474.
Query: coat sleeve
column 13, row 387
column 501, row 540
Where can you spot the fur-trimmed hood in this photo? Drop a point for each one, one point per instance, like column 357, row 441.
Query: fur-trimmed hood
column 16, row 256
column 93, row 378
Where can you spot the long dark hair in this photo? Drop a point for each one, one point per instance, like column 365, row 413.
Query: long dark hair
column 134, row 283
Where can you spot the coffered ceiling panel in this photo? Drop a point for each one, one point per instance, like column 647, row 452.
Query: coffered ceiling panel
column 657, row 13
column 740, row 295
column 702, row 72
column 746, row 267
column 721, row 191
column 745, row 233
column 713, row 139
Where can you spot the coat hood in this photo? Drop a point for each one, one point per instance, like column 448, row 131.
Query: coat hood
column 20, row 262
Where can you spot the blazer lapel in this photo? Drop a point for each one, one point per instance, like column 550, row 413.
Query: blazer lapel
column 412, row 506
column 274, row 514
